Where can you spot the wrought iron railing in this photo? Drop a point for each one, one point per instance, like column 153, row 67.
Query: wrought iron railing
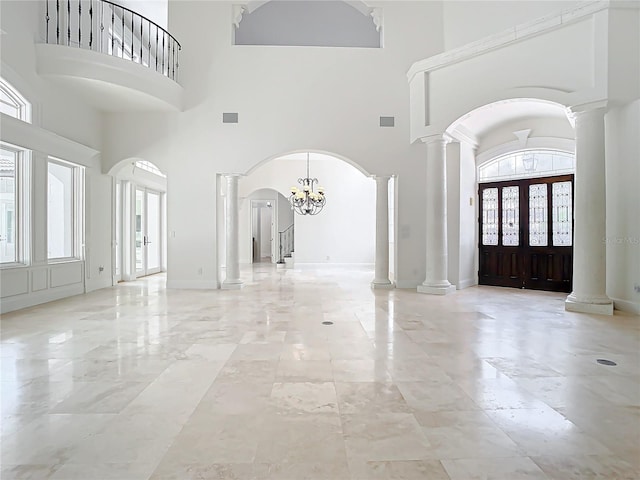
column 107, row 27
column 286, row 243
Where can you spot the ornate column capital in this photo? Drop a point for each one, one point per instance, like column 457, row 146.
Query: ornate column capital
column 439, row 137
column 590, row 107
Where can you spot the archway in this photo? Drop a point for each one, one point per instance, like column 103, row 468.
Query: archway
column 335, row 236
column 524, row 142
column 139, row 219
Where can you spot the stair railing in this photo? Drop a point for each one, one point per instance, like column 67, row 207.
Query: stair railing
column 286, row 238
column 106, row 27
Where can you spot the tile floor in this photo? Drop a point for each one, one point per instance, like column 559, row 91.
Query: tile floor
column 139, row 382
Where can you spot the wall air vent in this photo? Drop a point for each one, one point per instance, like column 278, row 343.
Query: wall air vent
column 387, row 121
column 229, row 118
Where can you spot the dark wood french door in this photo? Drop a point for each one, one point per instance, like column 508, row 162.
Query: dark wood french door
column 526, row 233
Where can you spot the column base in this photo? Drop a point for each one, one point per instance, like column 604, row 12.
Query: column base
column 598, row 305
column 383, row 285
column 233, row 285
column 436, row 289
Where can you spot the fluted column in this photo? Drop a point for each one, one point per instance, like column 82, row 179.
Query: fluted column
column 232, row 277
column 589, row 249
column 436, row 281
column 381, row 280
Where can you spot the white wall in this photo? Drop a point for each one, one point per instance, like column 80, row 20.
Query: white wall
column 155, row 10
column 623, row 198
column 462, row 223
column 467, row 264
column 288, row 99
column 467, row 21
column 64, row 127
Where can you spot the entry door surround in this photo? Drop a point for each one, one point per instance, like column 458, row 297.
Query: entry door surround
column 526, row 233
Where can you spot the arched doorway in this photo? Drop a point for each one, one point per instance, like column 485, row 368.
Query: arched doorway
column 336, row 236
column 139, row 246
column 516, row 165
column 525, row 201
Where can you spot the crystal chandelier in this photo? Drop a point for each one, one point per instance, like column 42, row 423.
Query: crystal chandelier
column 305, row 201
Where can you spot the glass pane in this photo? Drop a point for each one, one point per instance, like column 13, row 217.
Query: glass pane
column 538, row 215
column 139, row 227
column 562, row 209
column 507, row 166
column 9, row 109
column 8, row 160
column 510, row 216
column 526, row 164
column 153, row 230
column 118, row 228
column 60, row 211
column 490, row 216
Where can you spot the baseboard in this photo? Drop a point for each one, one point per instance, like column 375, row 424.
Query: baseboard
column 17, row 302
column 336, row 265
column 626, row 306
column 192, row 285
column 469, row 282
column 407, row 284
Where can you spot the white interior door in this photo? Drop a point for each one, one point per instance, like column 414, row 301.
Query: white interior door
column 148, row 236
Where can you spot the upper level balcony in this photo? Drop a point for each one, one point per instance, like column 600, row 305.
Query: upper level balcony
column 117, row 59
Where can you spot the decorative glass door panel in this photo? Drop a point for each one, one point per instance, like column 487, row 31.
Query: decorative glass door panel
column 148, row 232
column 527, row 233
column 153, row 232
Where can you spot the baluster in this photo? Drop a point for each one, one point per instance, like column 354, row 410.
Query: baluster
column 79, row 23
column 149, row 32
column 132, row 50
column 141, row 38
column 68, row 22
column 113, row 26
column 122, row 33
column 177, row 59
column 173, row 48
column 156, row 48
column 163, row 51
column 58, row 22
column 90, row 24
column 47, row 20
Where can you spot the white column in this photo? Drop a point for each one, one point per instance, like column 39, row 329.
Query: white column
column 589, row 249
column 232, row 276
column 436, row 281
column 381, row 280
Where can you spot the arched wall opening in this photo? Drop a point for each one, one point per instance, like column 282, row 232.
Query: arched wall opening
column 493, row 131
column 343, row 233
column 139, row 225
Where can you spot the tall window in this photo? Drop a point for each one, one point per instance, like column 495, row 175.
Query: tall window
column 9, row 202
column 63, row 209
column 12, row 103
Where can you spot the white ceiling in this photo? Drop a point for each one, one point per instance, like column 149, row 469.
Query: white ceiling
column 488, row 117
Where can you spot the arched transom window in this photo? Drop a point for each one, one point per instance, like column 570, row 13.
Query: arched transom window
column 12, row 103
column 149, row 167
column 527, row 164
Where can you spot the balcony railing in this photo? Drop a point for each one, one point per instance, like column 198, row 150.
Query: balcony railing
column 106, row 27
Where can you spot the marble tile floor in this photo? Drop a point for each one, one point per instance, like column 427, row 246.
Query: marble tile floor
column 137, row 382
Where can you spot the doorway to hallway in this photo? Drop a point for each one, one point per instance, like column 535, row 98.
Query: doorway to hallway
column 526, row 233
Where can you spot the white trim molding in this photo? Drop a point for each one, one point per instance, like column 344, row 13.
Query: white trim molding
column 507, row 37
